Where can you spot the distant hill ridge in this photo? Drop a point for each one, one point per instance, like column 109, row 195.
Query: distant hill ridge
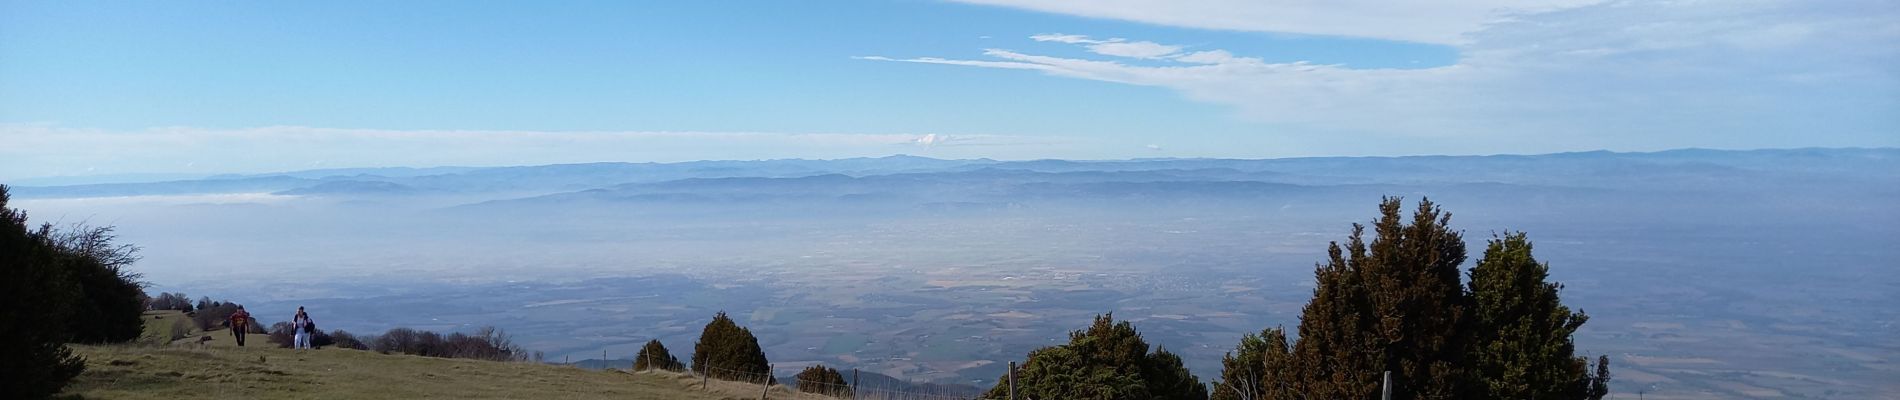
column 1590, row 169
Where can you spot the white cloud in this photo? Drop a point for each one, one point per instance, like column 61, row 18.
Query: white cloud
column 1690, row 73
column 1064, row 38
column 1443, row 22
column 970, row 63
column 1118, row 47
column 1146, row 50
column 1208, row 57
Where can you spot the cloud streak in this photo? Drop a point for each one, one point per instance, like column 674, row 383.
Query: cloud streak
column 1736, row 74
column 1440, row 22
column 1118, row 47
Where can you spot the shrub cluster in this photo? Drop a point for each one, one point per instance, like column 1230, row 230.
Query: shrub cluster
column 170, row 301
column 213, row 314
column 487, row 343
column 823, row 380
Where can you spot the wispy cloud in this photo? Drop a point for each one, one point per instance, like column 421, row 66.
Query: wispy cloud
column 1118, row 47
column 1691, row 73
column 1443, row 22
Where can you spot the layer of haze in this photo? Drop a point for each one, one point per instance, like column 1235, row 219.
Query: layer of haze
column 1708, row 274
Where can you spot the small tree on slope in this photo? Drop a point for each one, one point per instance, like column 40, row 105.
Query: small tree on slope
column 728, row 351
column 1108, row 361
column 823, row 380
column 655, row 356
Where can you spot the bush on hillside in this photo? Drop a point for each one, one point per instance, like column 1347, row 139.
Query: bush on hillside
column 108, row 309
column 655, row 356
column 487, row 343
column 347, row 340
column 281, row 335
column 179, row 330
column 396, row 340
column 728, row 351
column 170, row 301
column 34, row 360
column 823, row 380
column 1107, row 361
column 216, row 314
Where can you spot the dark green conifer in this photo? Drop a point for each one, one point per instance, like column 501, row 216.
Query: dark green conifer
column 1395, row 304
column 728, row 351
column 1524, row 348
column 824, row 381
column 1108, row 361
column 34, row 360
column 655, row 356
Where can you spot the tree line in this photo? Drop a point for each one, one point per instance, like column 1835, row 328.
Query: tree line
column 485, row 343
column 1396, row 302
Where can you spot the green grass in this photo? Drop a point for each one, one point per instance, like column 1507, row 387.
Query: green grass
column 220, row 370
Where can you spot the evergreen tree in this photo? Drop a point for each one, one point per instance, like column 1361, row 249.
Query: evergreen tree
column 1108, row 361
column 728, row 351
column 1597, row 385
column 1169, row 378
column 34, row 360
column 823, row 380
column 1524, row 348
column 1396, row 304
column 655, row 356
column 1262, row 369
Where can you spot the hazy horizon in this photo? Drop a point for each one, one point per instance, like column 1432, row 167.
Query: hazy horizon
column 160, row 176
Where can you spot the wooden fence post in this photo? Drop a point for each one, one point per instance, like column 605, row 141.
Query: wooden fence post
column 766, row 383
column 1012, row 380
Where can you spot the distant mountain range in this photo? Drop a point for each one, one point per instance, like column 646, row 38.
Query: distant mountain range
column 922, row 180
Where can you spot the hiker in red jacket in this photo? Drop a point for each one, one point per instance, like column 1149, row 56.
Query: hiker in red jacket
column 240, row 324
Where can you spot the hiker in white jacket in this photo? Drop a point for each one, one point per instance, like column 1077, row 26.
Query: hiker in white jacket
column 300, row 325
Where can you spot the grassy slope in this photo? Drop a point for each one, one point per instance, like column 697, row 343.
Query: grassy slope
column 220, row 370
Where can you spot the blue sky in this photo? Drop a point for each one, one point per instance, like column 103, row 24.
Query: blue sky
column 208, row 87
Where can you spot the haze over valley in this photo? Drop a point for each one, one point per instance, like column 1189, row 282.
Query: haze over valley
column 1706, row 273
